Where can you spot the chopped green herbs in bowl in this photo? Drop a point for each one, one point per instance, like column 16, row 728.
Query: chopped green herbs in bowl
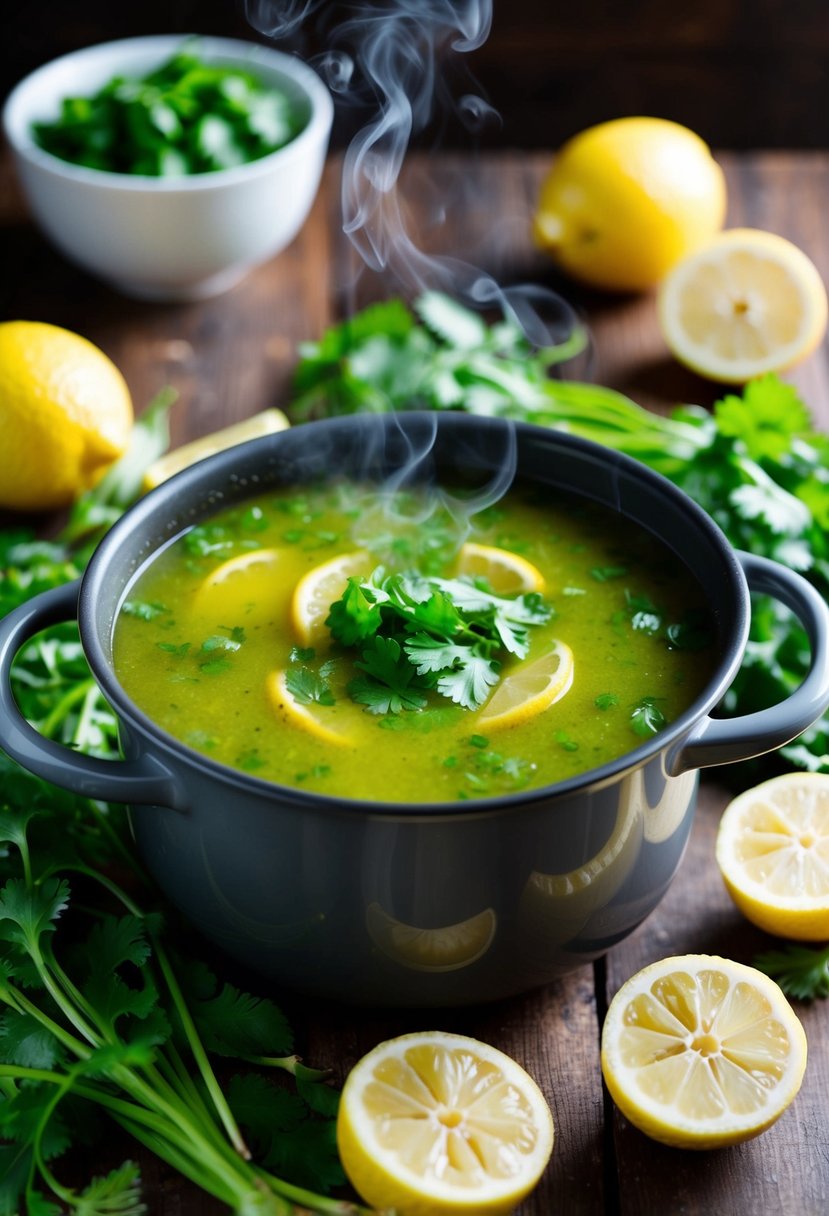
column 187, row 116
column 170, row 167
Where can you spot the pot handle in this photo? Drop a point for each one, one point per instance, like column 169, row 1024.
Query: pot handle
column 143, row 780
column 725, row 740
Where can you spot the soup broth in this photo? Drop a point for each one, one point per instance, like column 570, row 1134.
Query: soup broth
column 222, row 641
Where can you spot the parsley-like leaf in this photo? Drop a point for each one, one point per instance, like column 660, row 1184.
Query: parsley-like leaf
column 801, row 971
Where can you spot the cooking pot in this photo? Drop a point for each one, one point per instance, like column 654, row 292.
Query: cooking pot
column 401, row 903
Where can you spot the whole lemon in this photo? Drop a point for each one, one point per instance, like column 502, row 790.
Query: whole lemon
column 65, row 415
column 625, row 200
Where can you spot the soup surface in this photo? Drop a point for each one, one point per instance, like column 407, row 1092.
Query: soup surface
column 222, row 640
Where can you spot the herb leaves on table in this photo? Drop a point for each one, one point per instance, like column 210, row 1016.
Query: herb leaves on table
column 100, row 1016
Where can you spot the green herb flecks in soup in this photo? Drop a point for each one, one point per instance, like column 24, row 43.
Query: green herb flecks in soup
column 342, row 641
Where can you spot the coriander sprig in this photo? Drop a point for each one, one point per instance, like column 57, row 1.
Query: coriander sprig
column 416, row 633
column 801, row 971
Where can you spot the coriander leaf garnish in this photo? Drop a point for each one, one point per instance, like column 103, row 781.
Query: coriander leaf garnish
column 801, row 971
column 387, row 686
column 308, row 686
column 647, row 718
column 428, row 633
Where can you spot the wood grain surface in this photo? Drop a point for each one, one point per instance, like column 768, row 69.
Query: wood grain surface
column 232, row 356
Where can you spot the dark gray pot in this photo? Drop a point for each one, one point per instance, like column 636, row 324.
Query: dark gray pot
column 311, row 890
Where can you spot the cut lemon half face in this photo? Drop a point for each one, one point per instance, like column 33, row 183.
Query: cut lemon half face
column 438, row 1123
column 773, row 853
column 311, row 718
column 507, row 573
column 265, row 423
column 317, row 590
column 701, row 1052
column 447, row 948
column 244, row 587
column 530, row 689
column 749, row 303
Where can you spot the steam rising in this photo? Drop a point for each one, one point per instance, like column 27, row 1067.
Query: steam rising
column 390, row 56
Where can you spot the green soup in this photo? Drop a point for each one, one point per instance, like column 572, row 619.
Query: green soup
column 222, row 641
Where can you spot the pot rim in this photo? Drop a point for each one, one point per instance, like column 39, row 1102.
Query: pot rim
column 223, row 466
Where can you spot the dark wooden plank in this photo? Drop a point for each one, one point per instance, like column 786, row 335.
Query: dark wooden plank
column 785, row 1172
column 231, row 357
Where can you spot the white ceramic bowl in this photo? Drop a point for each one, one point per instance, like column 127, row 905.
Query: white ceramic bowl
column 169, row 238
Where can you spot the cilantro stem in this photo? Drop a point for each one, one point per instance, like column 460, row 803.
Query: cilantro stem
column 316, row 1203
column 200, row 1055
column 60, row 711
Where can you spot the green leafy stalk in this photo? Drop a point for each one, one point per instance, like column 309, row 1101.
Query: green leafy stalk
column 801, row 971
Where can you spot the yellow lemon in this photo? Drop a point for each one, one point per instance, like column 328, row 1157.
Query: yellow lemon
column 447, row 948
column 65, row 415
column 432, row 1123
column 311, row 718
column 316, row 591
column 747, row 303
column 701, row 1052
column 246, row 587
column 507, row 573
column 625, row 200
column 265, row 423
column 530, row 689
column 773, row 853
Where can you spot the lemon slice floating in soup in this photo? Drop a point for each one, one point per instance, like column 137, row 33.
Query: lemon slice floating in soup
column 308, row 718
column 315, row 593
column 530, row 689
column 507, row 573
column 245, row 586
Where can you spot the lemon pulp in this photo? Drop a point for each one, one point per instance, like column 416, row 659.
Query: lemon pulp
column 773, row 853
column 748, row 303
column 438, row 1123
column 700, row 1052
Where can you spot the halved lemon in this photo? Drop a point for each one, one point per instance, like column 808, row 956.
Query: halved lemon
column 773, row 853
column 307, row 717
column 447, row 948
column 244, row 587
column 317, row 590
column 507, row 573
column 437, row 1123
column 530, row 689
column 701, row 1052
column 265, row 423
column 748, row 303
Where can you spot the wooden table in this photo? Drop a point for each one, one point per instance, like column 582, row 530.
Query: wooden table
column 231, row 357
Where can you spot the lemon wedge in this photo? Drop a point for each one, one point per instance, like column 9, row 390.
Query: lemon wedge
column 265, row 423
column 748, row 303
column 773, row 853
column 246, row 586
column 439, row 1123
column 701, row 1052
column 306, row 717
column 316, row 591
column 447, row 948
column 507, row 573
column 530, row 689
